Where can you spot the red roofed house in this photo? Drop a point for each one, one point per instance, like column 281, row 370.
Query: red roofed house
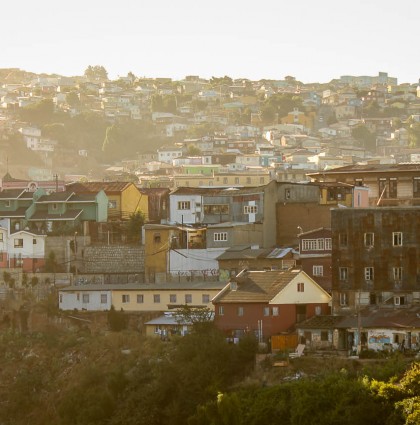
column 268, row 302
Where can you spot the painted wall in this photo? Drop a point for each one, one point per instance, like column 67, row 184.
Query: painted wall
column 74, row 300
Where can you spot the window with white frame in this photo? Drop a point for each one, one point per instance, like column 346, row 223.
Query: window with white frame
column 125, row 298
column 313, row 244
column 85, row 298
column 220, row 236
column 205, row 298
column 221, row 310
column 188, row 298
column 369, row 239
column 328, row 244
column 240, row 311
column 266, row 311
column 104, row 298
column 172, row 298
column 318, row 270
column 250, row 209
column 18, row 243
column 184, row 205
column 368, row 273
column 397, row 238
column 156, row 298
column 301, row 287
column 397, row 273
column 343, row 298
column 275, row 311
column 343, row 273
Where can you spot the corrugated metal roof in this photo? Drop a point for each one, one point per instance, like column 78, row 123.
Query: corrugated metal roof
column 107, row 187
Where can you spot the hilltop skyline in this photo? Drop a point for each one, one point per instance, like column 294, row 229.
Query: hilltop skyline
column 314, row 43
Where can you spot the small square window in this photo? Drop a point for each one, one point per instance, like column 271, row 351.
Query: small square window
column 125, row 298
column 104, row 298
column 140, row 298
column 301, row 287
column 343, row 299
column 188, row 298
column 240, row 311
column 368, row 273
column 18, row 243
column 343, row 239
column 85, row 299
column 221, row 310
column 318, row 270
column 266, row 311
column 343, row 273
column 172, row 298
column 275, row 311
column 369, row 239
column 33, row 241
column 205, row 299
column 156, row 298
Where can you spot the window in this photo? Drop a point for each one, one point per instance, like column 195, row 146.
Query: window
column 112, row 205
column 324, row 335
column 104, row 298
column 125, row 298
column 399, row 300
column 184, row 205
column 156, row 238
column 301, row 287
column 343, row 240
column 343, row 273
column 18, row 243
column 313, row 244
column 216, row 209
column 78, row 297
column 7, row 203
column 156, row 298
column 382, row 184
column 368, row 273
column 275, row 311
column 397, row 238
column 54, row 206
column 240, row 311
column 416, row 187
column 140, row 298
column 343, row 299
column 61, row 298
column 172, row 298
column 266, row 311
column 286, row 193
column 250, row 209
column 392, row 187
column 318, row 270
column 369, row 239
column 85, row 298
column 236, row 180
column 328, row 244
column 205, row 298
column 397, row 273
column 33, row 241
column 318, row 310
column 261, row 180
column 188, row 298
column 221, row 310
column 221, row 236
column 1, row 237
column 225, row 180
column 248, row 180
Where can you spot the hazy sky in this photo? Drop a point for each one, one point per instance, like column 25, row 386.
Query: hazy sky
column 311, row 40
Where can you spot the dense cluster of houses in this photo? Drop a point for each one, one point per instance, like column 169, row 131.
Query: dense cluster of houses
column 292, row 228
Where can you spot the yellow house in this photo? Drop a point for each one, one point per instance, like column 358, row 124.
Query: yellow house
column 299, row 117
column 124, row 198
column 157, row 240
column 164, row 296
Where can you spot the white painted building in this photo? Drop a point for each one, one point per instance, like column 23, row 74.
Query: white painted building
column 85, row 299
column 185, row 208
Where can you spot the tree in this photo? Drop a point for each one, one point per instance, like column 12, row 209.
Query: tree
column 366, row 138
column 72, row 99
column 134, row 226
column 51, row 265
column 193, row 150
column 97, row 72
column 39, row 113
column 117, row 321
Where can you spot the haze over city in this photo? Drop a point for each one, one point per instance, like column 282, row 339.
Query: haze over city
column 313, row 41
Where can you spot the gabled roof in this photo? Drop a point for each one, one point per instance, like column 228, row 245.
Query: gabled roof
column 370, row 168
column 9, row 194
column 256, row 286
column 69, row 215
column 19, row 213
column 107, row 187
column 55, row 197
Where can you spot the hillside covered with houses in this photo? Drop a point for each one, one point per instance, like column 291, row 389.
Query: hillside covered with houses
column 289, row 210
